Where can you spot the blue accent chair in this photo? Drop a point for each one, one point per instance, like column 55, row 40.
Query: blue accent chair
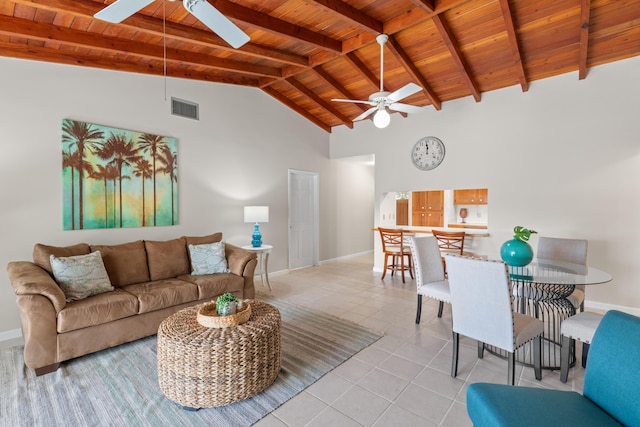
column 611, row 395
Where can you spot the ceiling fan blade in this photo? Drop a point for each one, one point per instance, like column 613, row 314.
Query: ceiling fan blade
column 217, row 22
column 366, row 114
column 357, row 101
column 121, row 10
column 405, row 108
column 407, row 90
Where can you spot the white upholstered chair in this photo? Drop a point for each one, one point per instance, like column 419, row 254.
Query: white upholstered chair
column 430, row 281
column 566, row 250
column 481, row 309
column 581, row 327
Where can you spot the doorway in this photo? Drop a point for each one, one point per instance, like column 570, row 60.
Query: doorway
column 303, row 218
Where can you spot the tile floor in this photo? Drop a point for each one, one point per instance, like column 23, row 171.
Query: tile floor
column 401, row 380
column 404, row 378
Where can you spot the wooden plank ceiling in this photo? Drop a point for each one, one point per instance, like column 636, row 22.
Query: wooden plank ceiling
column 306, row 52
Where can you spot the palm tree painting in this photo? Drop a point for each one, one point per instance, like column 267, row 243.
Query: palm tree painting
column 115, row 178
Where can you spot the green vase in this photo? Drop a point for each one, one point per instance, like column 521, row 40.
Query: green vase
column 516, row 253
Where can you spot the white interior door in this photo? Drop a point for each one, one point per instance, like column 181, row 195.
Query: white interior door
column 303, row 219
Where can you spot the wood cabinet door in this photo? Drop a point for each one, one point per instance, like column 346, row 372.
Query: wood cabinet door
column 483, row 196
column 435, row 200
column 402, row 212
column 464, row 197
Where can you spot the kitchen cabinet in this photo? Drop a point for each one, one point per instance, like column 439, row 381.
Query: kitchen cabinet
column 427, row 208
column 476, row 196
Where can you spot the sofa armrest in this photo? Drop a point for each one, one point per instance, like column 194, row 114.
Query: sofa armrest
column 29, row 279
column 237, row 258
column 243, row 263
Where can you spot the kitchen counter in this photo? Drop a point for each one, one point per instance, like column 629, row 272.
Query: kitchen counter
column 467, row 225
column 427, row 230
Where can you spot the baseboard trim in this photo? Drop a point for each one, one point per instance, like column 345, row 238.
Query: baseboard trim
column 600, row 306
column 346, row 257
column 9, row 335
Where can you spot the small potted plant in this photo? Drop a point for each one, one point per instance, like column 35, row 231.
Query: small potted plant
column 517, row 252
column 226, row 304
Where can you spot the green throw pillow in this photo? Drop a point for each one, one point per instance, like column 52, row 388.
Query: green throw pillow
column 208, row 259
column 81, row 276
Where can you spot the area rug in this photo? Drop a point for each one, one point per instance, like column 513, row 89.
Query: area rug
column 119, row 386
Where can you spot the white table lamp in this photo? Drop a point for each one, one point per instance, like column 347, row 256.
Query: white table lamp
column 256, row 214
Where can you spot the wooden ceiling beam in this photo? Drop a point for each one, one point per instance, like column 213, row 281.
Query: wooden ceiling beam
column 456, row 54
column 426, row 5
column 513, row 42
column 411, row 68
column 37, row 53
column 321, row 102
column 276, row 26
column 68, row 36
column 585, row 11
column 295, row 107
column 150, row 25
column 326, row 77
column 359, row 65
column 355, row 16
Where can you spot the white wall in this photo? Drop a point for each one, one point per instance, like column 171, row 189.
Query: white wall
column 562, row 158
column 237, row 154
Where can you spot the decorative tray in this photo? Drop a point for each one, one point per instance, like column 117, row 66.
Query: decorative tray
column 209, row 318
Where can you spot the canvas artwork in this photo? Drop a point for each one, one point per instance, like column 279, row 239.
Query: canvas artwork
column 114, row 178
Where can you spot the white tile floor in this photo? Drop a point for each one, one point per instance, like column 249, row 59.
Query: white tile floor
column 404, row 378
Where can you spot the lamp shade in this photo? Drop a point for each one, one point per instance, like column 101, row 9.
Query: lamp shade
column 256, row 214
column 381, row 119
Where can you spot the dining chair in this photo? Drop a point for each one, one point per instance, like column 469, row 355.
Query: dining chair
column 581, row 327
column 481, row 309
column 566, row 250
column 430, row 280
column 394, row 245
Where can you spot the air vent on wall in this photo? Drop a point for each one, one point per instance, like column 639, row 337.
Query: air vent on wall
column 184, row 109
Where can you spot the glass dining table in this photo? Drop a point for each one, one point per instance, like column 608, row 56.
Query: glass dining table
column 540, row 289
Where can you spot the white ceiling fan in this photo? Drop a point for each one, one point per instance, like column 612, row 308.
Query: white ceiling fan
column 201, row 9
column 382, row 100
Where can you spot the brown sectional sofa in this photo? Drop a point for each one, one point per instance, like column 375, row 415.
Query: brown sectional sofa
column 151, row 281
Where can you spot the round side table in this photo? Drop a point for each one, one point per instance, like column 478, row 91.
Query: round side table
column 200, row 367
column 263, row 260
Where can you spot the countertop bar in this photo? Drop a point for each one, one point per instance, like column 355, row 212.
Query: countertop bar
column 427, row 230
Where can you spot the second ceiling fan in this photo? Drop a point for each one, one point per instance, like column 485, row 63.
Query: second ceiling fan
column 210, row 16
column 382, row 100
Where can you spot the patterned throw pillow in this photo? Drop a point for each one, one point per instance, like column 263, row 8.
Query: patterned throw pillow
column 81, row 276
column 208, row 259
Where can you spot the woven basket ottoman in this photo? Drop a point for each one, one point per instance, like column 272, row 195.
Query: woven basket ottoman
column 201, row 367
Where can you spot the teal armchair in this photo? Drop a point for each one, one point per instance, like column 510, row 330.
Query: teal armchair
column 611, row 394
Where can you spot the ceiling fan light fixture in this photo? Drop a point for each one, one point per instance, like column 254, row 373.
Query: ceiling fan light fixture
column 382, row 118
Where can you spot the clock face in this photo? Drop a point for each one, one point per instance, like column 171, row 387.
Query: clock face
column 427, row 153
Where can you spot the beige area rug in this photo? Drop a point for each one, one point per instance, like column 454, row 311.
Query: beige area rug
column 119, row 386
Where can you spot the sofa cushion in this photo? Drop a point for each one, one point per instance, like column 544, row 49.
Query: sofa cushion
column 80, row 276
column 41, row 253
column 125, row 263
column 167, row 259
column 162, row 294
column 96, row 310
column 212, row 285
column 208, row 259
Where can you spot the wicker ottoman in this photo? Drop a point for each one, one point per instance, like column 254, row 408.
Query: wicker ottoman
column 201, row 367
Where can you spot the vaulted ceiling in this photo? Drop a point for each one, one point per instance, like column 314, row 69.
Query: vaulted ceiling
column 304, row 53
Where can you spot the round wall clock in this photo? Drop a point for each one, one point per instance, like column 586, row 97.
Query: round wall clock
column 427, row 153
